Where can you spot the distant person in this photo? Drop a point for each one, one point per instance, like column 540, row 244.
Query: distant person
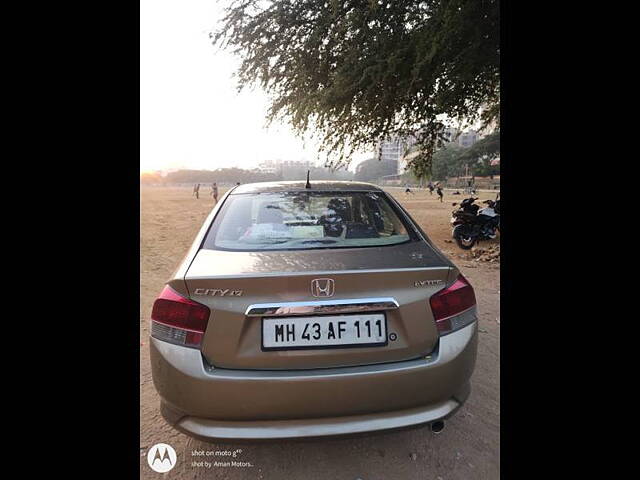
column 214, row 191
column 430, row 187
column 439, row 192
column 196, row 190
column 407, row 189
column 469, row 186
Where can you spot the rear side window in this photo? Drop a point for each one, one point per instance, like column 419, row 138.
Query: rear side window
column 303, row 220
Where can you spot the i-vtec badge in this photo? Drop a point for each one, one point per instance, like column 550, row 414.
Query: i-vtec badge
column 427, row 283
column 220, row 292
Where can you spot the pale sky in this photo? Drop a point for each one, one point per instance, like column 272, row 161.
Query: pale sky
column 190, row 114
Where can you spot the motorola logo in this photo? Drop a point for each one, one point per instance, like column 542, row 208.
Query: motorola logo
column 161, row 457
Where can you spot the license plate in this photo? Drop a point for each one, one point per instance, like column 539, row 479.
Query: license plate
column 326, row 331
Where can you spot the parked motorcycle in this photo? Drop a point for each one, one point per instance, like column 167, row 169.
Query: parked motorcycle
column 472, row 223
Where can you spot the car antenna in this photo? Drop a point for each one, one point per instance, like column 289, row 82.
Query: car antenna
column 308, row 185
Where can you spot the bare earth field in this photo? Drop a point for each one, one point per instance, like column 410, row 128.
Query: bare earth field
column 468, row 448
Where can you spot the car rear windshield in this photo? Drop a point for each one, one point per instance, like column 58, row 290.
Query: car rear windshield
column 304, row 220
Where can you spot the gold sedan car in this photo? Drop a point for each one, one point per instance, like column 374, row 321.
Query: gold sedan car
column 311, row 310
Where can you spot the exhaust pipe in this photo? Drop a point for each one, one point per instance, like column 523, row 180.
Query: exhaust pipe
column 437, row 426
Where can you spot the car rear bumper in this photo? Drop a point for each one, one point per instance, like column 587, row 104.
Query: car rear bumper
column 223, row 404
column 207, row 430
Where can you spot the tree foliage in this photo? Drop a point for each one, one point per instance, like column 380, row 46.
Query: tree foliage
column 148, row 178
column 446, row 162
column 357, row 71
column 221, row 175
column 372, row 169
column 487, row 148
column 454, row 160
column 315, row 173
column 233, row 175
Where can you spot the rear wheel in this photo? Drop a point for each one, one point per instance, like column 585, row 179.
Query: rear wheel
column 463, row 237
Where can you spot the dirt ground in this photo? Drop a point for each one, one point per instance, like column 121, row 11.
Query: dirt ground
column 468, row 448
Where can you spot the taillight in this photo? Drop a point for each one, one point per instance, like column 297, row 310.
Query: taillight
column 178, row 320
column 452, row 307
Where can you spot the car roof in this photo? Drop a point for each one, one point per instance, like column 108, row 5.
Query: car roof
column 295, row 186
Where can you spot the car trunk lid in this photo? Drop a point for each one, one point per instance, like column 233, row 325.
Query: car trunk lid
column 242, row 288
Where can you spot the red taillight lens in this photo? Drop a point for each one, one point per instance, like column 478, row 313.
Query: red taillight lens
column 178, row 320
column 449, row 305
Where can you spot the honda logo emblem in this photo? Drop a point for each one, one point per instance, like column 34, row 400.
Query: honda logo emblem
column 322, row 287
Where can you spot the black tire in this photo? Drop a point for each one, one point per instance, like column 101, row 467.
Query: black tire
column 463, row 237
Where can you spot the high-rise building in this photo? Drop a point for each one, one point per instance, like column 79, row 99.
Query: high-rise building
column 397, row 149
column 466, row 139
column 394, row 149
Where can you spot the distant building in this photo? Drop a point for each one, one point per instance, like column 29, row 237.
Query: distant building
column 394, row 149
column 466, row 139
column 295, row 163
column 450, row 134
column 463, row 139
column 277, row 166
column 286, row 169
column 398, row 149
column 269, row 166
